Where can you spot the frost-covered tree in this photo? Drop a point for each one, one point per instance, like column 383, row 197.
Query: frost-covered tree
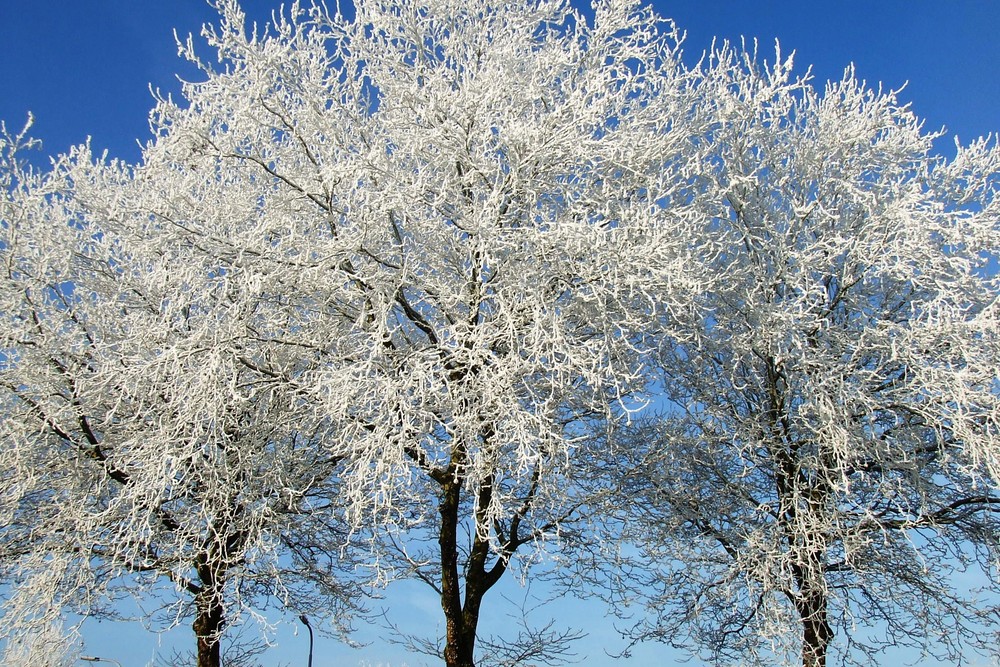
column 118, row 474
column 518, row 146
column 385, row 254
column 825, row 462
column 440, row 191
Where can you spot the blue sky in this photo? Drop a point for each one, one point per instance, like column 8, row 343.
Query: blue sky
column 84, row 67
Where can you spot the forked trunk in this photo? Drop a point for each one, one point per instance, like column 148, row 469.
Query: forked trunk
column 460, row 639
column 460, row 647
column 462, row 612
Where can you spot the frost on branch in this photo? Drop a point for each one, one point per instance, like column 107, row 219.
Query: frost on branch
column 49, row 645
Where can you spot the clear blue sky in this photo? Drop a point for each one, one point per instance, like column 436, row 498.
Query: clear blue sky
column 83, row 67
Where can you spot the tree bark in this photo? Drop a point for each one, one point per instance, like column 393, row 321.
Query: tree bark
column 462, row 612
column 459, row 645
column 816, row 630
column 210, row 616
column 208, row 623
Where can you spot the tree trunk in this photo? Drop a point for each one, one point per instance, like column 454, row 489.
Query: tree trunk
column 208, row 629
column 462, row 616
column 209, row 620
column 459, row 645
column 816, row 630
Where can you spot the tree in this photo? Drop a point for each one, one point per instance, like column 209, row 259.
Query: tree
column 417, row 217
column 826, row 454
column 118, row 475
column 369, row 254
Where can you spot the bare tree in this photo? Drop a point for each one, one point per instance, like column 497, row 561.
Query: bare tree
column 826, row 453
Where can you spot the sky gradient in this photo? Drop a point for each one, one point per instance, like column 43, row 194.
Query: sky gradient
column 84, row 68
